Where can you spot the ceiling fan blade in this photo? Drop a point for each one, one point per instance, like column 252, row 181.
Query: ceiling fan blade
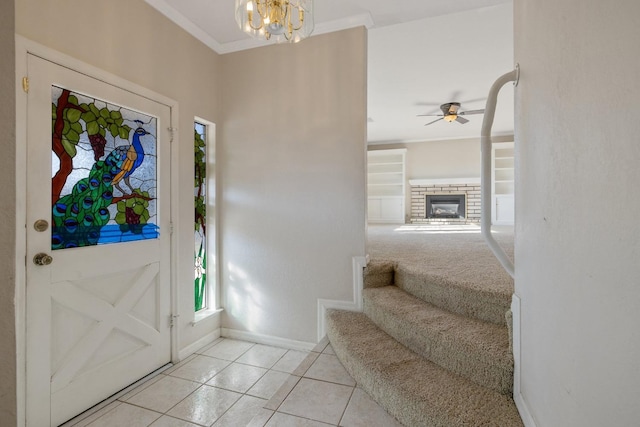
column 461, row 120
column 429, row 115
column 469, row 101
column 430, row 123
column 467, row 113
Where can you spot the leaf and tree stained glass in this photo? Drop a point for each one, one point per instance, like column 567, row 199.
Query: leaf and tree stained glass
column 200, row 202
column 103, row 185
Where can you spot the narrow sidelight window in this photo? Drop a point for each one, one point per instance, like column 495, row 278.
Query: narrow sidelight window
column 200, row 194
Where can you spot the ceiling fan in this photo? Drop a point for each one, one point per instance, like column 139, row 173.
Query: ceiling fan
column 451, row 112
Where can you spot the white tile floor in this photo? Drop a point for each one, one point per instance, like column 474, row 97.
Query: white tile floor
column 237, row 383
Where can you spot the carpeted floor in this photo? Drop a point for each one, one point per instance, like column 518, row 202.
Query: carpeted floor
column 458, row 253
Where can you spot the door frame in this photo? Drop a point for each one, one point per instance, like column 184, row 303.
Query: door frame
column 24, row 48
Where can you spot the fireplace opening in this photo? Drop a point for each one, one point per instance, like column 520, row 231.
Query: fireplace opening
column 446, row 206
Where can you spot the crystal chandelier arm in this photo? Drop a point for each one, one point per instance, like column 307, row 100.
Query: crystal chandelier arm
column 250, row 14
column 250, row 22
column 290, row 27
column 300, row 18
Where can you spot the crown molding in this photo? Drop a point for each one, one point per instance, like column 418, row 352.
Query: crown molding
column 183, row 22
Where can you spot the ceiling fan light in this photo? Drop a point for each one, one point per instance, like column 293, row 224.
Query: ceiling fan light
column 451, row 117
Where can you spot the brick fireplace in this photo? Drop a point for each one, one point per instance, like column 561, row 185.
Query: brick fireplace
column 450, row 201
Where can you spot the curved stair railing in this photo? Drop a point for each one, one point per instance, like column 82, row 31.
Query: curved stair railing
column 485, row 168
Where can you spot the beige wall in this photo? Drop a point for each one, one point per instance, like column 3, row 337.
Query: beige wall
column 458, row 158
column 8, row 409
column 135, row 42
column 293, row 150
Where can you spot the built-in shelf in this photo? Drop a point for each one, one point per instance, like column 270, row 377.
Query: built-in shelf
column 502, row 183
column 386, row 185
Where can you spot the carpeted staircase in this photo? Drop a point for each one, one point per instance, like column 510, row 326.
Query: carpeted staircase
column 431, row 351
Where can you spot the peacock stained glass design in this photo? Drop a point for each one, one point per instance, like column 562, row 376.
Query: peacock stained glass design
column 200, row 194
column 103, row 185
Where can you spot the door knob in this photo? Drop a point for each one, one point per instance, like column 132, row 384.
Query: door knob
column 42, row 259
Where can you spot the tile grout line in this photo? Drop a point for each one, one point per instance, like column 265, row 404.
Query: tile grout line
column 291, row 375
column 353, row 388
column 88, row 416
column 204, row 384
column 246, row 393
column 169, row 371
column 242, row 394
column 186, row 361
column 116, row 397
column 318, row 354
column 344, row 411
column 167, row 411
column 233, row 391
column 307, row 418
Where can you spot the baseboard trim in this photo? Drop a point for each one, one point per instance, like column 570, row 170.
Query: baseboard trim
column 192, row 348
column 515, row 316
column 267, row 339
column 358, row 264
column 521, row 404
column 523, row 409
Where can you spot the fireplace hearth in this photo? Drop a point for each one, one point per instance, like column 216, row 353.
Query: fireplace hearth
column 445, row 206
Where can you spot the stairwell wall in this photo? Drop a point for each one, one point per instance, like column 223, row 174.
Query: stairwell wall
column 293, row 146
column 577, row 236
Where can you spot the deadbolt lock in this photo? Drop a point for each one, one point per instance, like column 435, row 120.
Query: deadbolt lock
column 42, row 259
column 41, row 225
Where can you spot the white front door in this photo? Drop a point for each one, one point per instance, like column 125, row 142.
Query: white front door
column 98, row 244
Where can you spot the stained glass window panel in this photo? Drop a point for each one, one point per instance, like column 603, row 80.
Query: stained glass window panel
column 200, row 201
column 103, row 184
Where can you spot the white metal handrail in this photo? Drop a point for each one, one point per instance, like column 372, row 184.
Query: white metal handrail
column 485, row 167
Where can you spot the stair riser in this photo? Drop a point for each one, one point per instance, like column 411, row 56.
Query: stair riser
column 449, row 354
column 379, row 274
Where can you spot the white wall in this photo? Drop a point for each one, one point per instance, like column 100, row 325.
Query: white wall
column 292, row 148
column 577, row 235
column 8, row 407
column 133, row 41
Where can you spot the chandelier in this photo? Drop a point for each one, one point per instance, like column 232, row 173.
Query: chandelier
column 286, row 20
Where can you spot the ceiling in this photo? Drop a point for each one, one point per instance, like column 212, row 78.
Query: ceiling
column 422, row 53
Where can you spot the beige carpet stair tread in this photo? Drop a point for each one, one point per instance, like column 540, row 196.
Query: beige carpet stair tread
column 414, row 390
column 472, row 348
column 453, row 270
column 454, row 293
column 462, row 297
